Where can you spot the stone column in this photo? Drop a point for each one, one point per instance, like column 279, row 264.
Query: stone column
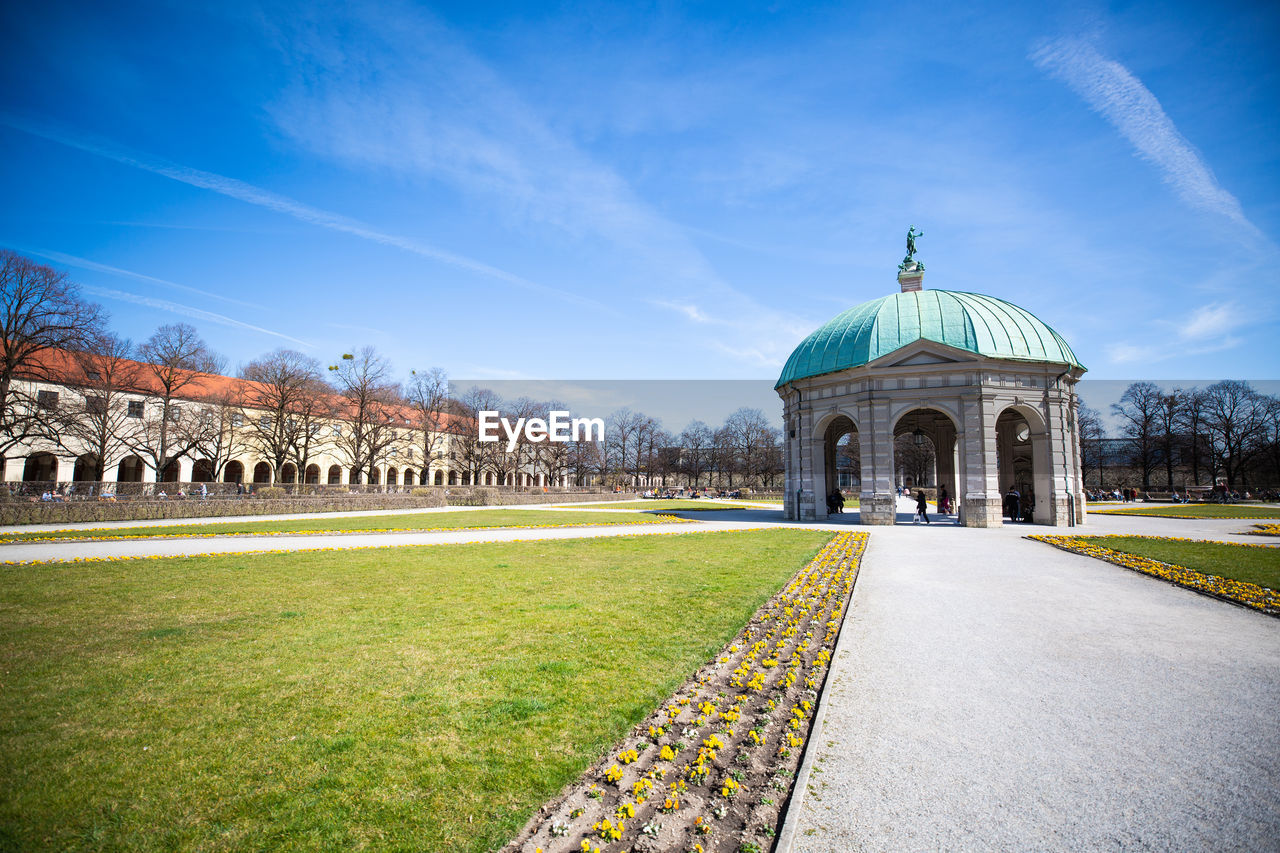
column 981, row 491
column 807, row 461
column 878, row 502
column 65, row 469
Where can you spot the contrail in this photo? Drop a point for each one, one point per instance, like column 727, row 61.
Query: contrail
column 186, row 311
column 242, row 191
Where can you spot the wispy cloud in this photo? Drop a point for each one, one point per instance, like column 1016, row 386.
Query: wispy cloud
column 85, row 263
column 396, row 89
column 187, row 311
column 237, row 189
column 1213, row 320
column 1117, row 95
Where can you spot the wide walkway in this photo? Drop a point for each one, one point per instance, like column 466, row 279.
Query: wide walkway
column 993, row 693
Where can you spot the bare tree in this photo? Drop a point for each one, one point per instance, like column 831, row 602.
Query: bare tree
column 1167, row 433
column 370, row 408
column 749, row 434
column 696, row 447
column 1191, row 424
column 1140, row 410
column 176, row 362
column 41, row 312
column 1235, row 417
column 106, row 375
column 428, row 396
column 279, row 387
column 218, row 432
column 1089, row 421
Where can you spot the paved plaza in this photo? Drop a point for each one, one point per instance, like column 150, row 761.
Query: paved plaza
column 993, row 693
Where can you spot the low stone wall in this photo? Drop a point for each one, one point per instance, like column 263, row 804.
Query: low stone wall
column 25, row 511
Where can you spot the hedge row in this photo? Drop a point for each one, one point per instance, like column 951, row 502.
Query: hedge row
column 22, row 512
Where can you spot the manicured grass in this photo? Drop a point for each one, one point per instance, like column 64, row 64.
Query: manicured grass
column 423, row 521
column 1251, row 564
column 663, row 505
column 1198, row 511
column 392, row 699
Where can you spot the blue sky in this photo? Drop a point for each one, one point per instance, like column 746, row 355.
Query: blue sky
column 657, row 191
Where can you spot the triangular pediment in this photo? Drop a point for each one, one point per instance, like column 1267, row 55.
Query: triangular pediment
column 922, row 353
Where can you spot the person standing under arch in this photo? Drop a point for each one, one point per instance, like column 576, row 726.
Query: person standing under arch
column 922, row 508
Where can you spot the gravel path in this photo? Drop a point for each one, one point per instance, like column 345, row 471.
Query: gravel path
column 993, row 693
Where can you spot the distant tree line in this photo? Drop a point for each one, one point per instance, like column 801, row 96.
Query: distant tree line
column 1227, row 432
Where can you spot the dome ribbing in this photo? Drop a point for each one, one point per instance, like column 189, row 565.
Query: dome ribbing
column 969, row 321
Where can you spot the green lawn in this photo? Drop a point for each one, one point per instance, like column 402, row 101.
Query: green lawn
column 1197, row 511
column 422, row 521
column 1260, row 566
column 393, row 699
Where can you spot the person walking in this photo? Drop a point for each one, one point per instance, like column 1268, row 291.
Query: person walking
column 922, row 508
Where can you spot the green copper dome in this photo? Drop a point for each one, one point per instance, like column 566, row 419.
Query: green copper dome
column 968, row 321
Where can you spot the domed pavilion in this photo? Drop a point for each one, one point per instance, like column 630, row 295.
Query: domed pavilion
column 987, row 384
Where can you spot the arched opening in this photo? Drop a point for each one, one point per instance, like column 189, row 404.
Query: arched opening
column 130, row 470
column 40, row 468
column 842, row 468
column 312, row 475
column 88, row 469
column 262, row 473
column 172, row 472
column 408, row 477
column 1022, row 466
column 926, row 457
column 202, row 471
column 233, row 473
column 335, row 475
column 393, row 477
column 375, row 477
column 288, row 473
column 354, row 477
column 439, row 481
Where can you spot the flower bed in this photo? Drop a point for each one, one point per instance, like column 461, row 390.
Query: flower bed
column 107, row 537
column 1237, row 592
column 1265, row 530
column 713, row 767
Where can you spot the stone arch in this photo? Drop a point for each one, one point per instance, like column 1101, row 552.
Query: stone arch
column 409, row 477
column 353, row 476
column 172, row 472
column 936, row 425
column 375, row 476
column 393, row 477
column 87, row 468
column 288, row 473
column 335, row 475
column 40, row 468
column 311, row 476
column 130, row 470
column 202, row 471
column 1022, row 460
column 439, row 479
column 262, row 473
column 233, row 473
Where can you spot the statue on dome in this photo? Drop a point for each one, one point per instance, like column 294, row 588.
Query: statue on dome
column 912, row 234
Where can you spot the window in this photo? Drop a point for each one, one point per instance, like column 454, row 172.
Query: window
column 314, row 429
column 337, row 430
column 135, row 409
column 95, row 405
column 47, row 399
column 174, row 412
column 237, row 420
column 95, row 376
column 265, row 422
